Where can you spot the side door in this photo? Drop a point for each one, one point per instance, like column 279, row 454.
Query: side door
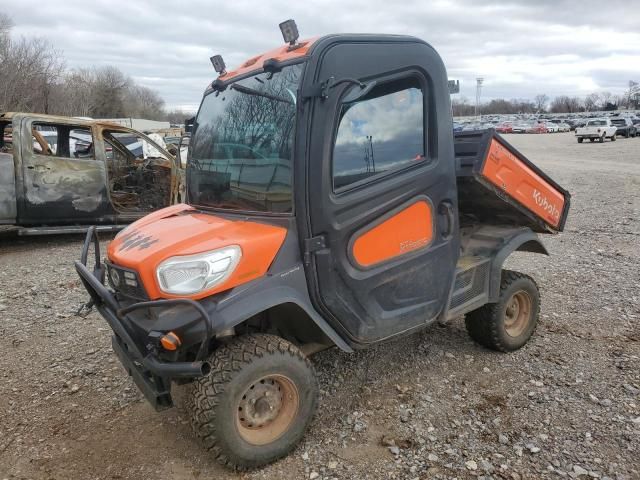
column 62, row 180
column 382, row 190
column 141, row 175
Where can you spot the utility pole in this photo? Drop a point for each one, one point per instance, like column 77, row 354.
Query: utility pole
column 479, row 82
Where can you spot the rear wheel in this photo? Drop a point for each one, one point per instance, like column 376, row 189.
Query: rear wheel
column 508, row 324
column 580, row 139
column 255, row 405
column 613, row 138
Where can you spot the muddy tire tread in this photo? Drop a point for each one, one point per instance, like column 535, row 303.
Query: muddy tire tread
column 482, row 324
column 226, row 361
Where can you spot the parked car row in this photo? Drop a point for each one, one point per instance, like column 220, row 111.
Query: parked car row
column 625, row 126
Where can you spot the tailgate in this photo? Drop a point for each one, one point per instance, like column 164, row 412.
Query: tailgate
column 496, row 182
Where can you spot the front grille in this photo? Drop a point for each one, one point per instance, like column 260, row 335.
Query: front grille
column 126, row 281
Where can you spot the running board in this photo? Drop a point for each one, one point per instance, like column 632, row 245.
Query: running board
column 470, row 287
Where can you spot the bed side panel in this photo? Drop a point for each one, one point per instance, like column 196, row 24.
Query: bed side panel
column 507, row 172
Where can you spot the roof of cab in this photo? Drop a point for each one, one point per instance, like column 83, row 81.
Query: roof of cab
column 281, row 54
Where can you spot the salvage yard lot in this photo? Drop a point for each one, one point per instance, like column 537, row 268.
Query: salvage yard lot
column 568, row 403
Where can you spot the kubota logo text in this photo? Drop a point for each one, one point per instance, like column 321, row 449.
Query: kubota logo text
column 542, row 201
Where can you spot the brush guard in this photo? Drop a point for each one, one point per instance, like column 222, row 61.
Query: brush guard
column 150, row 374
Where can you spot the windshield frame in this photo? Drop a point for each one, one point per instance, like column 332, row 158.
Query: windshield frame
column 215, row 87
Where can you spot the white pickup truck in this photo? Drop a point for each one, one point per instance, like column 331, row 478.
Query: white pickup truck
column 597, row 128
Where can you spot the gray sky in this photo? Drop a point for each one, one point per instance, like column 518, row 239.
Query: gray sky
column 520, row 47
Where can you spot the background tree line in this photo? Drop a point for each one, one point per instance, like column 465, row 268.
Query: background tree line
column 542, row 103
column 34, row 78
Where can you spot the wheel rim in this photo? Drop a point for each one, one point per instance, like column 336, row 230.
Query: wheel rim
column 518, row 314
column 266, row 409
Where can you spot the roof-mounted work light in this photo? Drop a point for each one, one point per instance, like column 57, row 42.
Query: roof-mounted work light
column 289, row 31
column 218, row 64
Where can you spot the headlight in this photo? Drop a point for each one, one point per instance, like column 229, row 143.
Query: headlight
column 191, row 274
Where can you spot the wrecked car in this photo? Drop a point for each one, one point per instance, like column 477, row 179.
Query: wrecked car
column 60, row 174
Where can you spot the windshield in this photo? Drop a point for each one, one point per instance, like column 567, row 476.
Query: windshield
column 241, row 148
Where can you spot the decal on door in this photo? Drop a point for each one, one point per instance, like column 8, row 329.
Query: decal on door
column 405, row 231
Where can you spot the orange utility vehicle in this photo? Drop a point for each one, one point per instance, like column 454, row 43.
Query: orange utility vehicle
column 329, row 204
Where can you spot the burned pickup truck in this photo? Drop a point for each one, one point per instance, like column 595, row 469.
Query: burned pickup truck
column 59, row 174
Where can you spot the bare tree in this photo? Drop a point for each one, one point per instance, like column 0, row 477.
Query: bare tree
column 142, row 102
column 592, row 102
column 461, row 107
column 178, row 117
column 30, row 68
column 541, row 101
column 566, row 104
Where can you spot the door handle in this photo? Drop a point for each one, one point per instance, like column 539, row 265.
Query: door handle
column 38, row 167
column 446, row 210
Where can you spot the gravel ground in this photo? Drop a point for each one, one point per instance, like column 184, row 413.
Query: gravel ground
column 433, row 405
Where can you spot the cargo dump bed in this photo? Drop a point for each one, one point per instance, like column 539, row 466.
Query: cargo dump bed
column 498, row 185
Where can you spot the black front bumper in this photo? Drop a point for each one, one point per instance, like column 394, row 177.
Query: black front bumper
column 139, row 356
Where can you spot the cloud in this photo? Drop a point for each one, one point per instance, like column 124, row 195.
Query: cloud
column 520, row 47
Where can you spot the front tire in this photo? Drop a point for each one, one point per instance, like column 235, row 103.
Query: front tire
column 580, row 139
column 508, row 324
column 256, row 403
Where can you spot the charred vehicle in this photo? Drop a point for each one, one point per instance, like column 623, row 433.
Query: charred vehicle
column 60, row 174
column 328, row 204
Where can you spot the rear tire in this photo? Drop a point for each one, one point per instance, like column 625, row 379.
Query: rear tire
column 508, row 324
column 255, row 405
column 580, row 139
column 613, row 139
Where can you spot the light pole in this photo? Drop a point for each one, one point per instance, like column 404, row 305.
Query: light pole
column 479, row 82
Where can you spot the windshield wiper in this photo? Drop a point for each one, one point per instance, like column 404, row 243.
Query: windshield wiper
column 251, row 91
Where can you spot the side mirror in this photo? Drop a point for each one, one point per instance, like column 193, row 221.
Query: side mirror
column 183, row 148
column 188, row 124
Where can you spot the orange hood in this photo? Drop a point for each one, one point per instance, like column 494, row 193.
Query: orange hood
column 181, row 230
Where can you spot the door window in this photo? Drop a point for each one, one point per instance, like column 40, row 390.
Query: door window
column 140, row 175
column 380, row 132
column 62, row 141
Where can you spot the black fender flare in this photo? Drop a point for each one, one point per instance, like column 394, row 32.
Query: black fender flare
column 270, row 291
column 527, row 241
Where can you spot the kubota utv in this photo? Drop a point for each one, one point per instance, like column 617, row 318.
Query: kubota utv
column 329, row 204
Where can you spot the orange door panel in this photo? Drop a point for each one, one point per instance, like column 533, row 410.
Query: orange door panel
column 504, row 170
column 408, row 230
